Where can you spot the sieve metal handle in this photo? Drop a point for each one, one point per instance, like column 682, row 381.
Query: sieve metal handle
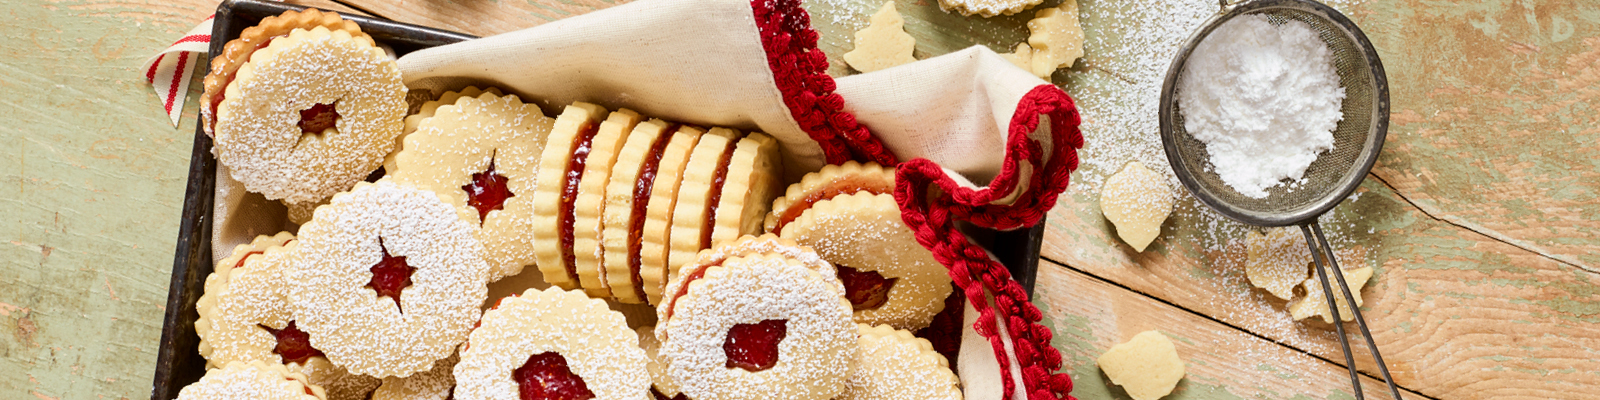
column 1313, row 230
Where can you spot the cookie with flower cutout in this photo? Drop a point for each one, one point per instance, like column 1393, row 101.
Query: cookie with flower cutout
column 310, row 115
column 758, row 326
column 555, row 344
column 1137, row 201
column 252, row 380
column 627, row 197
column 244, row 317
column 655, row 235
column 895, row 365
column 438, row 383
column 484, row 150
column 888, row 277
column 226, row 64
column 388, row 278
column 561, row 167
column 588, row 209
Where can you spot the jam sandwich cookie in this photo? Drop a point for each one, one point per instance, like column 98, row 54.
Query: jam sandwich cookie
column 758, row 326
column 484, row 150
column 894, row 365
column 655, row 239
column 552, row 344
column 434, row 384
column 743, row 246
column 589, row 207
column 225, row 64
column 310, row 115
column 691, row 228
column 888, row 277
column 253, row 380
column 627, row 197
column 752, row 178
column 387, row 279
column 561, row 167
column 244, row 317
column 425, row 111
column 832, row 180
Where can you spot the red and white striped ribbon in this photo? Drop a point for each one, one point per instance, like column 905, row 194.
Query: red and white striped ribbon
column 169, row 72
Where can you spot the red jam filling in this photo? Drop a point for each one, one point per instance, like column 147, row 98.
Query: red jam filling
column 546, row 376
column 487, row 192
column 581, row 146
column 684, row 288
column 843, row 185
column 294, row 345
column 866, row 290
column 318, row 118
column 246, row 257
column 754, row 347
column 390, row 275
column 719, row 179
column 641, row 198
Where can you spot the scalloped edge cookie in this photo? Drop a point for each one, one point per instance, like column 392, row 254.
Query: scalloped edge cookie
column 253, row 380
column 588, row 249
column 633, row 176
column 654, row 244
column 594, row 340
column 753, row 179
column 895, row 365
column 694, row 196
column 548, row 208
column 821, row 185
column 237, row 52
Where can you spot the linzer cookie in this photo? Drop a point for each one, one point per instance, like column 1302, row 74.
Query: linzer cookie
column 749, row 183
column 692, row 218
column 485, row 151
column 760, row 326
column 253, row 380
column 552, row 344
column 626, row 196
column 988, row 8
column 561, row 167
column 245, row 317
column 588, row 210
column 743, row 246
column 435, row 384
column 832, row 180
column 225, row 64
column 655, row 243
column 888, row 277
column 387, row 279
column 310, row 115
column 894, row 365
column 426, row 111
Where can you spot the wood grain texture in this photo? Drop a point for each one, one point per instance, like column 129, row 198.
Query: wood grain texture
column 1089, row 315
column 1457, row 314
column 1495, row 129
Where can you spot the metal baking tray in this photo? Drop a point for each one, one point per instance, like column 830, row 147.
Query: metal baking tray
column 178, row 362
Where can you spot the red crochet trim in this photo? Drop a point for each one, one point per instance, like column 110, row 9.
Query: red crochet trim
column 801, row 73
column 971, row 267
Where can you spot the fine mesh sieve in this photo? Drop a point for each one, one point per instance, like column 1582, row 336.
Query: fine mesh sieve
column 1358, row 138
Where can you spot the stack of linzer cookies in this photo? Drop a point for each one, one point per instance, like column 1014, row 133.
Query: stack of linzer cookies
column 404, row 220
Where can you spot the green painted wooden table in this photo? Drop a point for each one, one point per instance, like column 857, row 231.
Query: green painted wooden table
column 1481, row 216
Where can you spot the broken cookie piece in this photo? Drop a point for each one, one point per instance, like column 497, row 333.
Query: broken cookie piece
column 1277, row 261
column 1147, row 366
column 1056, row 38
column 1315, row 303
column 882, row 44
column 1022, row 57
column 1136, row 200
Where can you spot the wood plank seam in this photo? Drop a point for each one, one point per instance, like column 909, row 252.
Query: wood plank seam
column 370, row 12
column 1224, row 323
column 1490, row 233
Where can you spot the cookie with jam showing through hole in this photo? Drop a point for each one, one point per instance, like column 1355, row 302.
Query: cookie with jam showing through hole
column 554, row 344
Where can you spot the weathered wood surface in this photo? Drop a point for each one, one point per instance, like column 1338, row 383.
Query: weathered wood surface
column 1483, row 225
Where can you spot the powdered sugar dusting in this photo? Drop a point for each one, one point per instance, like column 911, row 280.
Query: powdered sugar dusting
column 747, row 245
column 347, row 320
column 895, row 365
column 595, row 341
column 255, row 380
column 814, row 358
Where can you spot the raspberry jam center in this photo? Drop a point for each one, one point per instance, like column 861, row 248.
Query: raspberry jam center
column 318, row 118
column 546, row 376
column 754, row 347
column 294, row 345
column 390, row 275
column 487, row 192
column 866, row 290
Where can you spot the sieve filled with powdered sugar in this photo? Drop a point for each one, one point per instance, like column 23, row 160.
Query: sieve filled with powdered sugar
column 1271, row 114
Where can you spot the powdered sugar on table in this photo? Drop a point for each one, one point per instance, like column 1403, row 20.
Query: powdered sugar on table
column 1264, row 99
